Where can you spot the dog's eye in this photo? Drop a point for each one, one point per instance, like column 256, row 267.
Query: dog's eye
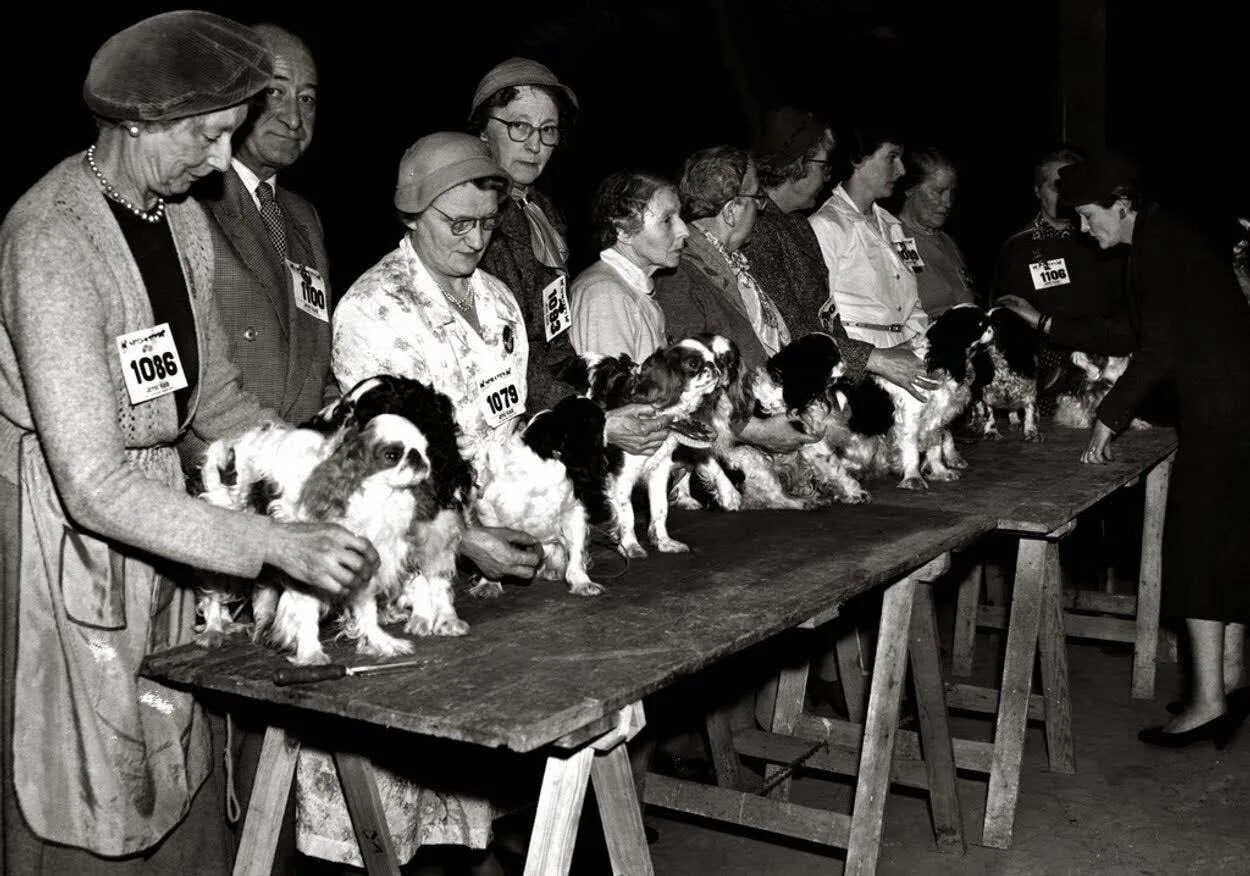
column 392, row 455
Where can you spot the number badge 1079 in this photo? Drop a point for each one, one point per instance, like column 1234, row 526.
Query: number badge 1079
column 150, row 363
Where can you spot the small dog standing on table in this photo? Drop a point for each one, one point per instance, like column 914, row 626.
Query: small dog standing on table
column 364, row 465
column 676, row 380
column 1006, row 374
column 530, row 483
column 1098, row 374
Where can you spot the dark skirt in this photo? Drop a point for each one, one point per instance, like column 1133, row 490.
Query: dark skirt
column 1206, row 535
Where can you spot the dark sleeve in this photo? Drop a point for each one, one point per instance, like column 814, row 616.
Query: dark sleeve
column 854, row 353
column 1155, row 357
column 685, row 312
column 1109, row 335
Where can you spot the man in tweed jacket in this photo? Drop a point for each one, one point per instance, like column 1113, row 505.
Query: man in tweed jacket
column 276, row 316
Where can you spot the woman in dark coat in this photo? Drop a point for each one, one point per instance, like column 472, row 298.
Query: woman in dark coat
column 1191, row 323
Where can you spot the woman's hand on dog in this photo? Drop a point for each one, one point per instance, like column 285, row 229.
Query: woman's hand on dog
column 901, row 366
column 775, row 434
column 499, row 552
column 637, row 429
column 325, row 556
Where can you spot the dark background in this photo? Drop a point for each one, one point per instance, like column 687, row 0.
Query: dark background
column 993, row 84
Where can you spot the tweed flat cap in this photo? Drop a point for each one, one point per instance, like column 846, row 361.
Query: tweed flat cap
column 438, row 162
column 514, row 72
column 174, row 65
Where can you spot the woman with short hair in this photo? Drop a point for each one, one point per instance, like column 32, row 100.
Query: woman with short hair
column 942, row 278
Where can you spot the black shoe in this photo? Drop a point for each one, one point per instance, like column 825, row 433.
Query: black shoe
column 1219, row 730
column 1237, row 699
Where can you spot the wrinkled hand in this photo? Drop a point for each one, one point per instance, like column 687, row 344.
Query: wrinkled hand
column 1099, row 449
column 1026, row 311
column 901, row 366
column 325, row 556
column 775, row 434
column 499, row 552
column 637, row 429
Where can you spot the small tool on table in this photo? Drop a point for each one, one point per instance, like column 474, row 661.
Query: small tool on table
column 331, row 671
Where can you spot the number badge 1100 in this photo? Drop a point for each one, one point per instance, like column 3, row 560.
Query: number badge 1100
column 150, row 363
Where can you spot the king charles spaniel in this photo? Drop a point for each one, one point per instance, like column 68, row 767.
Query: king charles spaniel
column 426, row 599
column 918, row 439
column 676, row 380
column 532, row 482
column 1076, row 409
column 1006, row 374
column 803, row 382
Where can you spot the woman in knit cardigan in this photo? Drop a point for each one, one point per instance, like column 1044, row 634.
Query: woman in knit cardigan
column 111, row 350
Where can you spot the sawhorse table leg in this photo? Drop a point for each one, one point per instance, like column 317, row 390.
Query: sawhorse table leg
column 1150, row 581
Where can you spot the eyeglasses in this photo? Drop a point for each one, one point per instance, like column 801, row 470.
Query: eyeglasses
column 461, row 227
column 826, row 167
column 519, row 132
column 758, row 197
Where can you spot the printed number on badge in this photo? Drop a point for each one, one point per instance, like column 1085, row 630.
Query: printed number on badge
column 556, row 315
column 503, row 400
column 309, row 289
column 150, row 363
column 908, row 252
column 1049, row 274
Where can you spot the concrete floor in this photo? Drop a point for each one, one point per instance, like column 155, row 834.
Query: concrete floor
column 1128, row 809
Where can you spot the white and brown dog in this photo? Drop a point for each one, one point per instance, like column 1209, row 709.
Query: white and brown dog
column 1006, row 374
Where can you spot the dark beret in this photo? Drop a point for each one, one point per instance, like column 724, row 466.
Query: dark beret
column 174, row 65
column 786, row 135
column 1096, row 179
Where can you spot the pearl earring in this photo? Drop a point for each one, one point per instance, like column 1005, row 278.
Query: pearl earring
column 134, row 130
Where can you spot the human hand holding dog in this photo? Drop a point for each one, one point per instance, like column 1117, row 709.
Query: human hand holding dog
column 499, row 552
column 636, row 429
column 775, row 434
column 901, row 366
column 325, row 556
column 1022, row 308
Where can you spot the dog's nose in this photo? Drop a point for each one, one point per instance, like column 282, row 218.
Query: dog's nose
column 415, row 460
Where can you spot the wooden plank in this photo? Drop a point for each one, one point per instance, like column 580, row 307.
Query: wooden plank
column 1026, row 604
column 539, row 665
column 364, row 806
column 787, row 706
column 720, row 738
column 834, row 759
column 620, row 813
column 976, row 698
column 969, row 754
column 1053, row 651
column 747, row 810
column 1150, row 581
column 270, row 790
column 559, row 810
column 966, row 620
column 935, row 735
column 873, row 781
column 1122, row 604
column 583, row 735
column 1078, row 626
column 850, row 672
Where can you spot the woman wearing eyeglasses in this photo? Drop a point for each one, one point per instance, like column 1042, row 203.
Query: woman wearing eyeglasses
column 520, row 111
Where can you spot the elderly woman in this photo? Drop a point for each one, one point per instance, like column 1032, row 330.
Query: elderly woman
column 636, row 218
column 1190, row 321
column 867, row 253
column 1061, row 273
column 111, row 349
column 793, row 159
column 942, row 279
column 520, row 110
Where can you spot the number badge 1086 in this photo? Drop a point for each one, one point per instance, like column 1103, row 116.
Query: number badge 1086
column 150, row 363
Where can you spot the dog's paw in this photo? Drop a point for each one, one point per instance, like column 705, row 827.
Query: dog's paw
column 992, row 435
column 670, row 546
column 486, row 589
column 316, row 657
column 956, row 462
column 686, row 503
column 213, row 638
column 1034, row 435
column 730, row 501
column 633, row 551
column 943, row 475
column 913, row 483
column 586, row 588
column 858, row 497
column 450, row 625
column 383, row 645
column 550, row 573
column 392, row 613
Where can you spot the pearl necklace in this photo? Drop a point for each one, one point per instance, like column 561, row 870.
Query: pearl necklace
column 155, row 214
column 462, row 304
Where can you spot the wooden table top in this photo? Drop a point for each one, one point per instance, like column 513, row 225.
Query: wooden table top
column 1034, row 487
column 538, row 663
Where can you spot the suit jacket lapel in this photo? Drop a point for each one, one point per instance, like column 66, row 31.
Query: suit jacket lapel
column 240, row 221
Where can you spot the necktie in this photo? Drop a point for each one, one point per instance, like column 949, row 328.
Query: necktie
column 271, row 215
column 548, row 246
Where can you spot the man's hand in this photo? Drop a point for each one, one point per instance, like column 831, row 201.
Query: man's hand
column 901, row 366
column 499, row 552
column 1099, row 449
column 1026, row 311
column 637, row 429
column 775, row 434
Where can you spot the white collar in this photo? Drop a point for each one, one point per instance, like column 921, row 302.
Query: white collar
column 251, row 180
column 630, row 272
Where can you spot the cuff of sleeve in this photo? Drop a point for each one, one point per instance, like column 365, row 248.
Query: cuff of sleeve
column 855, row 357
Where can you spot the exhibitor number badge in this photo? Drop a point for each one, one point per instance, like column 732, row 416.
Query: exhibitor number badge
column 1048, row 274
column 309, row 288
column 557, row 317
column 150, row 363
column 501, row 401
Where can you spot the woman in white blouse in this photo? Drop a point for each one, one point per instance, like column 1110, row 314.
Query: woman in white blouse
column 867, row 252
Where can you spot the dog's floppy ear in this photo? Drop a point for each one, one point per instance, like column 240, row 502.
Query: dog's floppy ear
column 872, row 409
column 331, row 484
column 544, row 435
column 574, row 371
column 803, row 369
column 951, row 338
column 658, row 384
column 1017, row 339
